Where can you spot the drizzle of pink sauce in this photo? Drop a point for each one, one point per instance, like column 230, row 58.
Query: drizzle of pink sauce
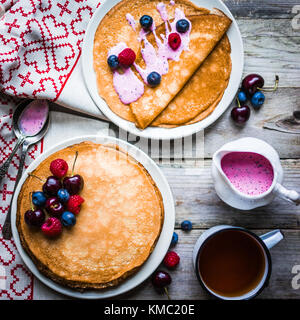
column 126, row 84
column 33, row 118
column 250, row 173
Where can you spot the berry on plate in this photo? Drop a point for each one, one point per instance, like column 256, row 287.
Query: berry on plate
column 171, row 259
column 113, row 61
column 174, row 239
column 257, row 99
column 51, row 186
column 182, row 25
column 38, row 198
column 154, row 79
column 68, row 219
column 146, row 22
column 186, row 225
column 53, row 206
column 34, row 218
column 174, row 40
column 59, row 168
column 63, row 195
column 74, row 203
column 74, row 183
column 127, row 57
column 52, row 227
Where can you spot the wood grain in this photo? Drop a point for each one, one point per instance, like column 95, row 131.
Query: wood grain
column 186, row 286
column 266, row 9
column 196, row 200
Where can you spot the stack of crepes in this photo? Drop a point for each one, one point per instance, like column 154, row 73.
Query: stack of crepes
column 193, row 86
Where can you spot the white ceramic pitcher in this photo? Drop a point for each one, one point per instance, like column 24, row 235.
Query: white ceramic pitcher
column 230, row 195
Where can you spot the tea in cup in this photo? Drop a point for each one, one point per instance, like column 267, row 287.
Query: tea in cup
column 232, row 263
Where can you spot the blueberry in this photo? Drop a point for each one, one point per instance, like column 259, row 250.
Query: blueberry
column 186, row 225
column 174, row 239
column 242, row 96
column 182, row 26
column 68, row 219
column 63, row 195
column 38, row 198
column 154, row 79
column 113, row 61
column 146, row 22
column 257, row 99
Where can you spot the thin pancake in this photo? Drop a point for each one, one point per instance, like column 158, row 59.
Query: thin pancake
column 202, row 90
column 114, row 29
column 207, row 30
column 116, row 228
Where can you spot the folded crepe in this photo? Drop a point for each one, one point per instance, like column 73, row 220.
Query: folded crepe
column 206, row 32
column 202, row 93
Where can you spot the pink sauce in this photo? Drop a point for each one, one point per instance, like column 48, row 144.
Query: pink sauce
column 126, row 84
column 34, row 117
column 250, row 173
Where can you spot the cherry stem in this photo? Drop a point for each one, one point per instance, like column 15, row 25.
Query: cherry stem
column 73, row 168
column 238, row 102
column 167, row 293
column 34, row 176
column 271, row 89
column 30, row 199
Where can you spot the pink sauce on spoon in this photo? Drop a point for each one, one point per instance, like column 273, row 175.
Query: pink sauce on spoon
column 33, row 118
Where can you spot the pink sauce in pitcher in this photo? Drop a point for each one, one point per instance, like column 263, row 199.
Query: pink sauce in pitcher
column 249, row 172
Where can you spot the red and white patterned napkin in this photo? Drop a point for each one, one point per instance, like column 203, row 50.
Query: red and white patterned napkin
column 16, row 282
column 40, row 48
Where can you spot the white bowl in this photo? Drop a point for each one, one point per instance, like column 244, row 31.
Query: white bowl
column 162, row 244
column 237, row 58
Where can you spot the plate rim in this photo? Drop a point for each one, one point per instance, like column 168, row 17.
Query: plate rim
column 161, row 246
column 158, row 133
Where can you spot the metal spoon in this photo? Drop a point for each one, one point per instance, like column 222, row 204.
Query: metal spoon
column 27, row 141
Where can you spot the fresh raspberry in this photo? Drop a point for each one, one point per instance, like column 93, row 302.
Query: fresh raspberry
column 171, row 259
column 74, row 204
column 52, row 227
column 174, row 40
column 59, row 168
column 127, row 57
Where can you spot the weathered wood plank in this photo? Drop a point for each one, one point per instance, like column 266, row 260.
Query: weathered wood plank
column 280, row 103
column 267, row 9
column 185, row 284
column 196, row 200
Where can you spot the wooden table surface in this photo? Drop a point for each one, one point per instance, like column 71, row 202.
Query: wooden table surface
column 271, row 47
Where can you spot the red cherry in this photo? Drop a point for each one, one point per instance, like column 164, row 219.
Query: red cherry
column 174, row 40
column 251, row 82
column 161, row 279
column 240, row 114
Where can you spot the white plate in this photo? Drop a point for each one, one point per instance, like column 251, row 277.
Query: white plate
column 163, row 242
column 237, row 58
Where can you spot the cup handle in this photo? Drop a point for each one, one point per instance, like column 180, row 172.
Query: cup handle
column 272, row 238
column 289, row 195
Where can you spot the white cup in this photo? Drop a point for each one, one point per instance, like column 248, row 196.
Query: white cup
column 266, row 242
